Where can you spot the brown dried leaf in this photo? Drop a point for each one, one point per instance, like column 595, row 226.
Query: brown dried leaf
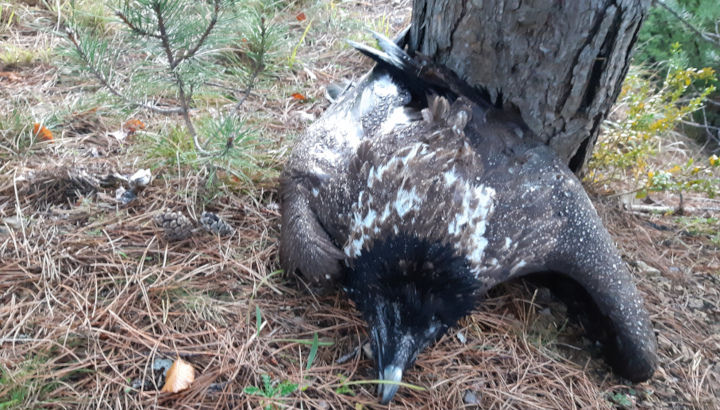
column 179, row 376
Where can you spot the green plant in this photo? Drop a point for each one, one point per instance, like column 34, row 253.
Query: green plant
column 13, row 394
column 620, row 399
column 271, row 390
column 701, row 226
column 16, row 127
column 258, row 320
column 21, row 57
column 24, row 384
column 382, row 26
column 8, row 16
column 170, row 146
column 313, row 352
column 688, row 177
column 93, row 15
column 694, row 24
column 165, row 53
column 291, row 59
column 687, row 22
column 342, row 388
column 651, row 112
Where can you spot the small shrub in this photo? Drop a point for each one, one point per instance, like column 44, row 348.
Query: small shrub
column 694, row 24
column 650, row 113
column 165, row 53
column 621, row 400
column 661, row 30
column 271, row 390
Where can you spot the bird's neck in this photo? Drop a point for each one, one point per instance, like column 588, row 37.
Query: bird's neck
column 422, row 274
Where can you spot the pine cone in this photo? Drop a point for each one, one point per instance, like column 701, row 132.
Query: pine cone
column 214, row 223
column 176, row 225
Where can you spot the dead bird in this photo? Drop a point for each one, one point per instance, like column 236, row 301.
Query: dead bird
column 417, row 194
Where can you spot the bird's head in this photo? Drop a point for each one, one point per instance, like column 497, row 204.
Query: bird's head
column 409, row 290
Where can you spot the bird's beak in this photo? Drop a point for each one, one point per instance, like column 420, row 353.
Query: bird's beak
column 391, row 374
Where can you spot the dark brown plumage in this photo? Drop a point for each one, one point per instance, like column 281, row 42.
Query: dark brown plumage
column 411, row 163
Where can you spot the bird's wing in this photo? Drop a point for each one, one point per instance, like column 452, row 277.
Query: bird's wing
column 304, row 243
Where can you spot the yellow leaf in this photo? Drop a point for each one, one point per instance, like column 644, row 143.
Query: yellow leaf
column 695, row 170
column 179, row 376
column 674, row 170
column 714, row 160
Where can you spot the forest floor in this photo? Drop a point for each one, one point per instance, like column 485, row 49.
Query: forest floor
column 92, row 296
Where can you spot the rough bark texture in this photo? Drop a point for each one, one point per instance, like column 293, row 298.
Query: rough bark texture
column 560, row 62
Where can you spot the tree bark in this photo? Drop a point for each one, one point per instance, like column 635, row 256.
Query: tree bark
column 561, row 63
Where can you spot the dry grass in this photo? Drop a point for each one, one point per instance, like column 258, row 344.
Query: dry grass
column 90, row 294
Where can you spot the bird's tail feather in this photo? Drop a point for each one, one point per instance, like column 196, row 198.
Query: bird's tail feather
column 389, row 54
column 420, row 75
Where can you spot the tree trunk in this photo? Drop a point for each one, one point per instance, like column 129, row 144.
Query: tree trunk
column 561, row 63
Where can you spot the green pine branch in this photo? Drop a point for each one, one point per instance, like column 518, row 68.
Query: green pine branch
column 707, row 36
column 190, row 46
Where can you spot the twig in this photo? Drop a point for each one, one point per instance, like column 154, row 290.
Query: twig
column 132, row 27
column 249, row 88
column 344, row 358
column 625, row 193
column 103, row 81
column 186, row 115
column 258, row 67
column 709, row 129
column 681, row 207
column 237, row 108
column 230, row 89
column 711, row 102
column 164, row 36
column 8, row 149
column 172, row 63
column 191, row 53
column 667, row 209
column 695, row 124
column 19, row 211
column 702, row 35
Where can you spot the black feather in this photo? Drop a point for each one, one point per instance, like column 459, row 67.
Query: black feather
column 420, row 75
column 428, row 278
